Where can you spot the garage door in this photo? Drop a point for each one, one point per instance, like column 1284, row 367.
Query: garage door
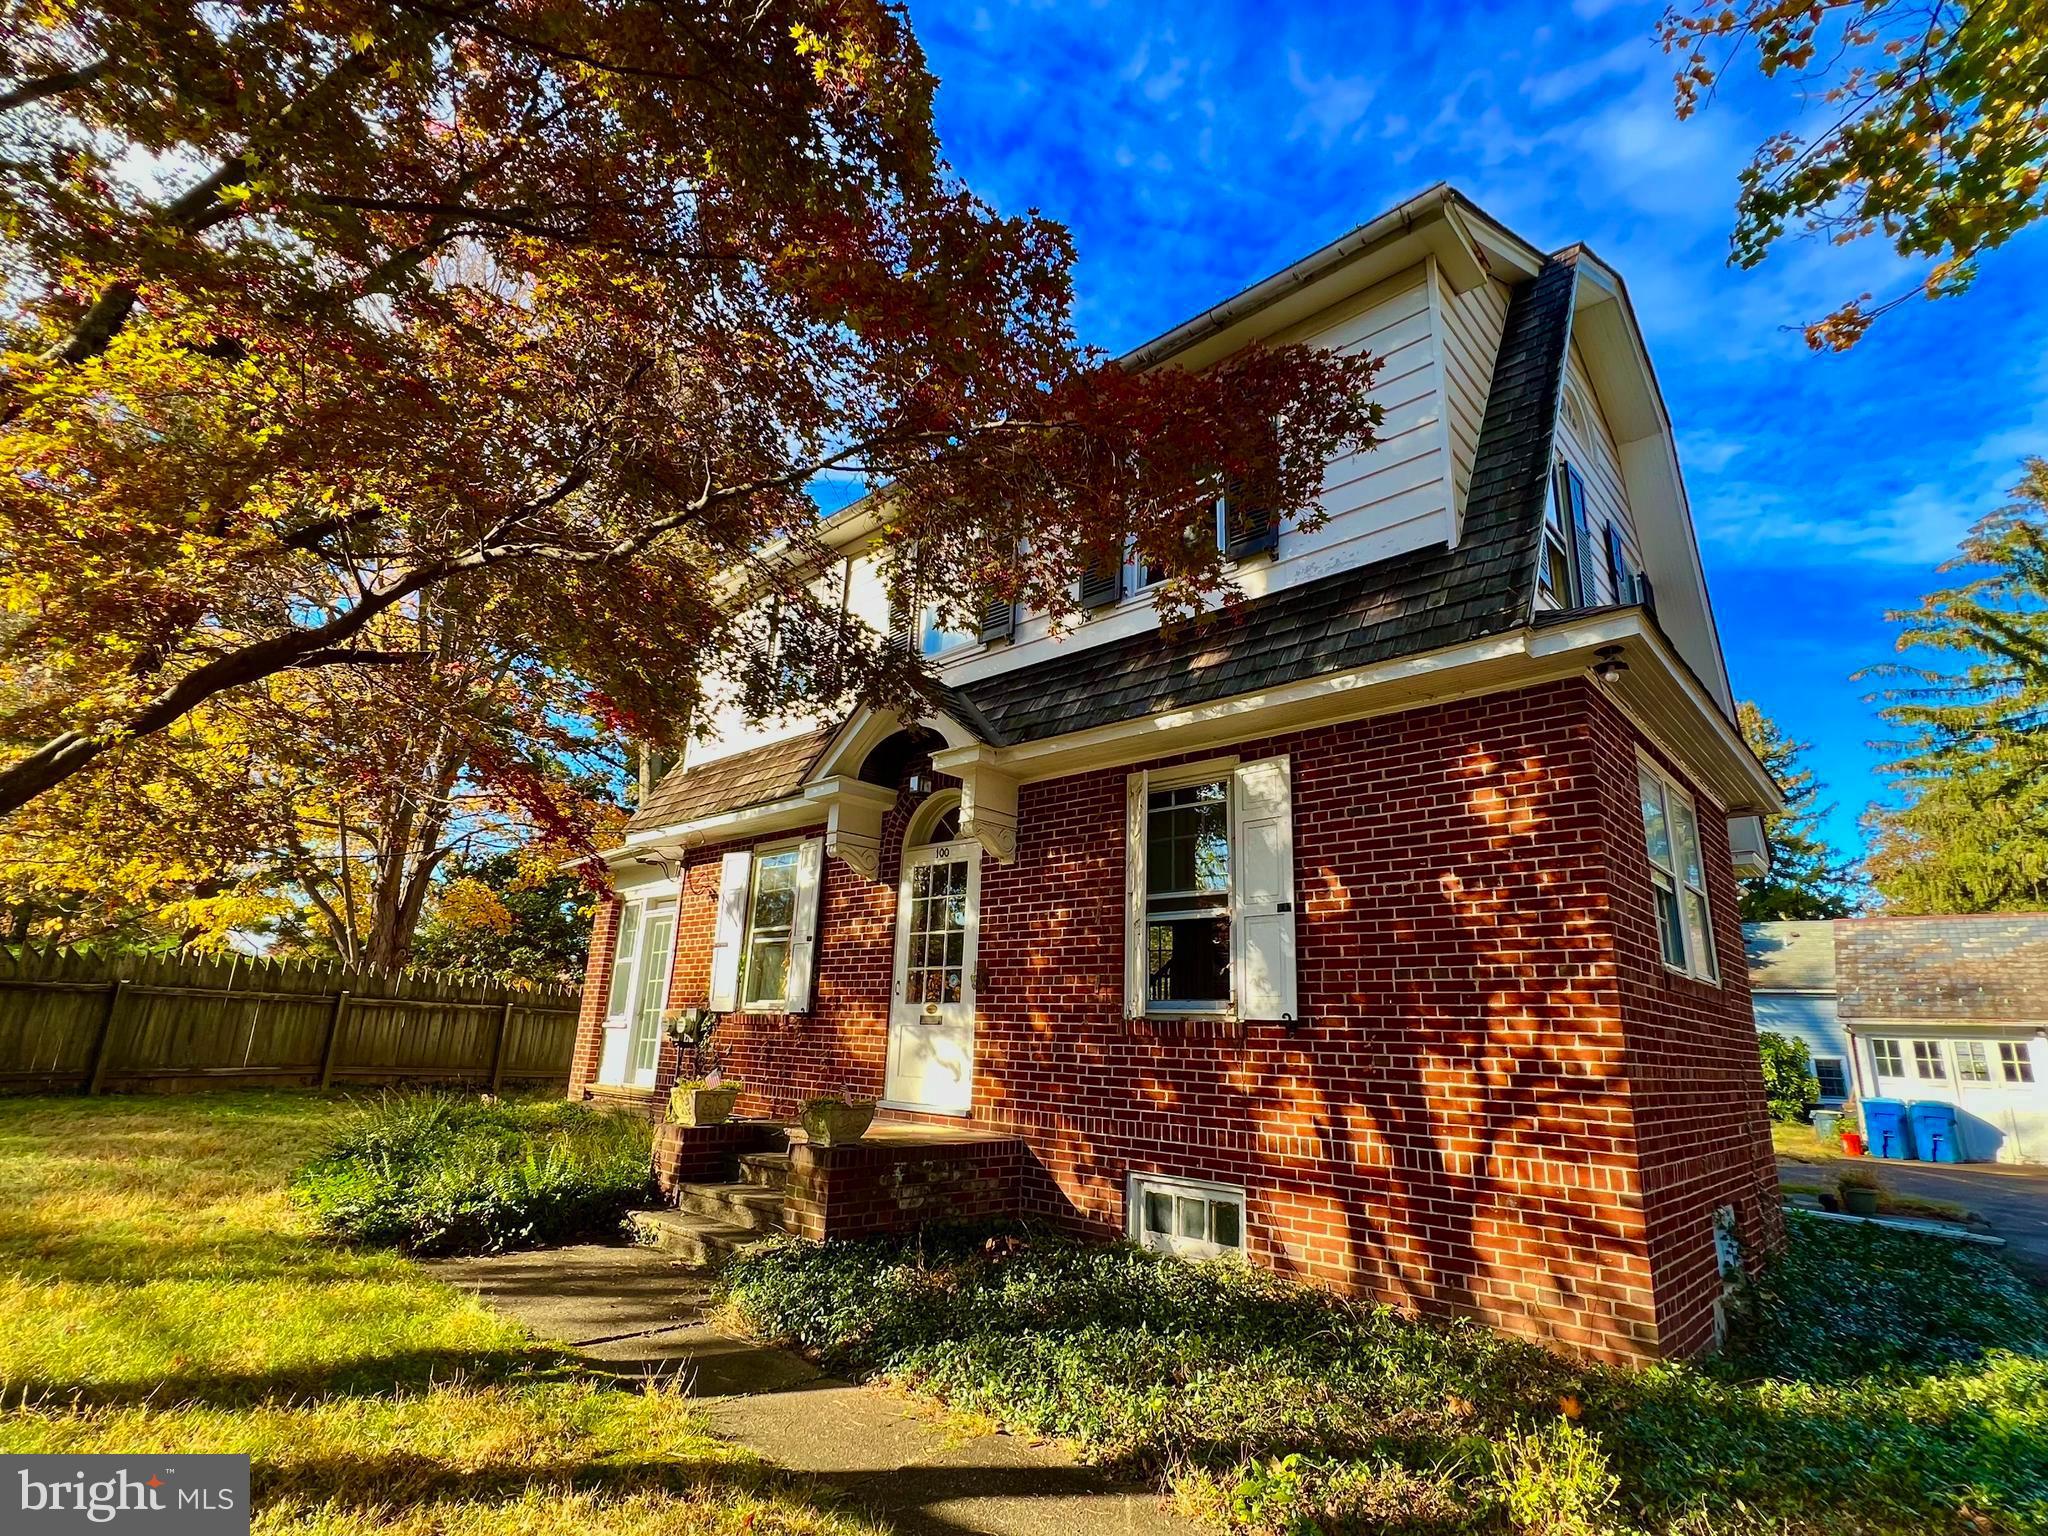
column 1997, row 1082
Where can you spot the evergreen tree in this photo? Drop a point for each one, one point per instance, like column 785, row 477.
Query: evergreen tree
column 1970, row 833
column 1808, row 877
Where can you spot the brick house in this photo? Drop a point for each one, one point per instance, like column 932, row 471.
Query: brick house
column 1386, row 935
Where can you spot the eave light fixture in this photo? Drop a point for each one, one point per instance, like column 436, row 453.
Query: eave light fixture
column 1610, row 666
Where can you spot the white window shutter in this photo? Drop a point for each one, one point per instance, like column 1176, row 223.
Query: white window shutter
column 1262, row 881
column 803, row 926
column 730, row 937
column 1136, row 971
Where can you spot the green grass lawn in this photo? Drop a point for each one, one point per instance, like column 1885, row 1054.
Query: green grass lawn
column 1797, row 1141
column 1887, row 1384
column 158, row 1292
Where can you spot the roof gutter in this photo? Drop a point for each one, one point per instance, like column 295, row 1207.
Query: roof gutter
column 1391, row 225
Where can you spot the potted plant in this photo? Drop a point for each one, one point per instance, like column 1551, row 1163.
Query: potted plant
column 836, row 1121
column 706, row 1100
column 1859, row 1191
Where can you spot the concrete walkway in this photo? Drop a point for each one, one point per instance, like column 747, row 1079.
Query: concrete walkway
column 634, row 1313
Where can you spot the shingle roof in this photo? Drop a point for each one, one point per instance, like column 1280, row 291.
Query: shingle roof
column 1790, row 957
column 753, row 777
column 1421, row 601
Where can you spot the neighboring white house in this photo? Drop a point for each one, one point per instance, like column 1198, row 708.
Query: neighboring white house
column 1792, row 983
column 1952, row 1010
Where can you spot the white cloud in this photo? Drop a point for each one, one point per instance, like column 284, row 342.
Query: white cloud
column 1633, row 57
column 1332, row 105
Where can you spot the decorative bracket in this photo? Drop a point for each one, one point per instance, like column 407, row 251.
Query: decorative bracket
column 854, row 810
column 988, row 807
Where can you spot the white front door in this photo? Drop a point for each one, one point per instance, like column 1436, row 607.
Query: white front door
column 645, row 951
column 931, row 1010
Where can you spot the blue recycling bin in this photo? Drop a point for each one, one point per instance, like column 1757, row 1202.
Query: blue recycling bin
column 1934, row 1131
column 1885, row 1129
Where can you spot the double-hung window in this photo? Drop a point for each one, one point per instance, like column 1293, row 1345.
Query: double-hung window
column 1671, row 834
column 771, row 915
column 1209, row 887
column 1187, row 896
column 1832, row 1073
column 1565, row 579
column 764, row 945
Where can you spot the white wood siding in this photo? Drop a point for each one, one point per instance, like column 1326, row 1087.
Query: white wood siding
column 1589, row 447
column 1385, row 502
column 1473, row 325
column 857, row 582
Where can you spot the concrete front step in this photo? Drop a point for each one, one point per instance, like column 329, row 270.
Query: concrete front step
column 741, row 1205
column 765, row 1170
column 696, row 1240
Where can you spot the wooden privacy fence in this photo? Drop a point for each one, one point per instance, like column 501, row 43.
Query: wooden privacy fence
column 74, row 1019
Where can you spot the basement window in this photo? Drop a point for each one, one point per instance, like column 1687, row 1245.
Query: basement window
column 1185, row 1217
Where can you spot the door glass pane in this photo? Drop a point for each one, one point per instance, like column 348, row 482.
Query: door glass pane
column 1927, row 1060
column 935, row 950
column 659, row 936
column 1886, row 1054
column 1973, row 1062
column 622, row 961
column 2014, row 1064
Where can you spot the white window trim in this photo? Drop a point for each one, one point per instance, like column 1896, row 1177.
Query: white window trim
column 759, row 852
column 1135, row 584
column 1135, row 1185
column 1711, row 976
column 1841, row 1062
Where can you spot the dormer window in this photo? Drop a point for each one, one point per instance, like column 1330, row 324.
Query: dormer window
column 1566, row 579
column 934, row 639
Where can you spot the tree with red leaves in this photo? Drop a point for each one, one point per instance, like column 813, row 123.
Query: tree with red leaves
column 549, row 310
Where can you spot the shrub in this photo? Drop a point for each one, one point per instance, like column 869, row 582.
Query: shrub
column 1790, row 1088
column 435, row 1173
column 1554, row 1480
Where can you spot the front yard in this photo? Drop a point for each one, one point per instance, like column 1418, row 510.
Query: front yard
column 158, row 1292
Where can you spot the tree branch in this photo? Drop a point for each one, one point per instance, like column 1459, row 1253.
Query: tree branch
column 54, row 85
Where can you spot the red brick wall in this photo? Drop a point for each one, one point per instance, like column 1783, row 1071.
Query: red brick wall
column 870, row 1187
column 1499, row 1104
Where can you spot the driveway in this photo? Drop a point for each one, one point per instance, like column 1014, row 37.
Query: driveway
column 2013, row 1200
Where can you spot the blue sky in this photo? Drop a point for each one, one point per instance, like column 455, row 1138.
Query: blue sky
column 1193, row 149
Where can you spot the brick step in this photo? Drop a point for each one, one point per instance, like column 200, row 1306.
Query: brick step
column 752, row 1206
column 765, row 1170
column 696, row 1240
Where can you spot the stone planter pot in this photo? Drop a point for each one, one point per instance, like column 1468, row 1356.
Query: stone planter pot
column 703, row 1106
column 835, row 1123
column 1860, row 1202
